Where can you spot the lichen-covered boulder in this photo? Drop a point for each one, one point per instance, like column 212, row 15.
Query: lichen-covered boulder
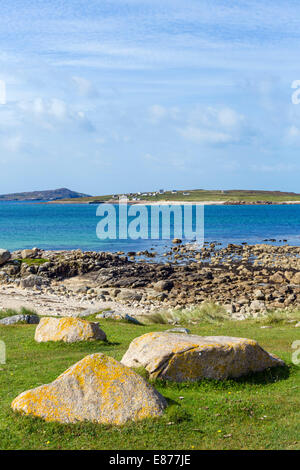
column 68, row 329
column 99, row 389
column 181, row 358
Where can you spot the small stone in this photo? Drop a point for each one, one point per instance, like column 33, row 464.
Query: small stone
column 179, row 330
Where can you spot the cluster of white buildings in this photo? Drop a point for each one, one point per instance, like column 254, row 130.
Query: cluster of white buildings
column 139, row 195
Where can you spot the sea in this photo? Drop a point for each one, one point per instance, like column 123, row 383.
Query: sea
column 73, row 226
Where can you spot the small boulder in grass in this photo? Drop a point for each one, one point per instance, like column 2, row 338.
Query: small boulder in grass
column 112, row 315
column 68, row 329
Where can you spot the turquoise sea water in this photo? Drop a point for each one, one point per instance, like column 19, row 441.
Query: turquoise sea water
column 70, row 226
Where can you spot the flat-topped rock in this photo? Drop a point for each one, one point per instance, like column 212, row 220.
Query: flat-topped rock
column 181, row 358
column 68, row 329
column 98, row 389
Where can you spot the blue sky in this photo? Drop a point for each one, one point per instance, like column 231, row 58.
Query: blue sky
column 113, row 96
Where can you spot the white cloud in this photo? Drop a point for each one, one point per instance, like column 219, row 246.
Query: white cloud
column 205, row 135
column 158, row 113
column 12, row 143
column 53, row 107
column 58, row 109
column 151, row 157
column 229, row 117
column 293, row 132
column 84, row 87
column 213, row 126
column 275, row 168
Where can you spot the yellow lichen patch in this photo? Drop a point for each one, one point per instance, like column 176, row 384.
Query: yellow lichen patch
column 97, row 389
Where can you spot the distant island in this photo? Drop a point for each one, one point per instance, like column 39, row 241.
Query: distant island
column 236, row 196
column 49, row 195
column 220, row 196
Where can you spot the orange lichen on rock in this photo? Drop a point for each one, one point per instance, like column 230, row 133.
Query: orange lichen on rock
column 68, row 329
column 182, row 358
column 99, row 389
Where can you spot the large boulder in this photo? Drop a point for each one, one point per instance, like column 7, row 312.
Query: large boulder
column 68, row 329
column 4, row 256
column 12, row 320
column 181, row 358
column 99, row 389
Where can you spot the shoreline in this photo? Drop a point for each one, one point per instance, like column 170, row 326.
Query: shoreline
column 175, row 203
column 246, row 280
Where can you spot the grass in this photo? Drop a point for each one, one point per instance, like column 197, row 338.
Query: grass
column 261, row 411
column 34, row 261
column 208, row 312
column 276, row 317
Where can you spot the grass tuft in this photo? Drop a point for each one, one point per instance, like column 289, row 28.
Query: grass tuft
column 279, row 317
column 208, row 312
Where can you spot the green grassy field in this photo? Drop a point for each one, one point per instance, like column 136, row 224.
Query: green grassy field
column 261, row 411
column 206, row 195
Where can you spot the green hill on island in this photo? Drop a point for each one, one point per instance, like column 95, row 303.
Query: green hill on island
column 48, row 195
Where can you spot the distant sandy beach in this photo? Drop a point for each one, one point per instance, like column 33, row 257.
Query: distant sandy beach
column 162, row 203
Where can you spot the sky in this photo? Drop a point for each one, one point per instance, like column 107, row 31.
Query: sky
column 114, row 96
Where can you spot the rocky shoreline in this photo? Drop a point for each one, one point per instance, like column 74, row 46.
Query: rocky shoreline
column 246, row 279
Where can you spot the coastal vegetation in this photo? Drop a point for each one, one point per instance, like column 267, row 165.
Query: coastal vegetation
column 260, row 411
column 34, row 261
column 197, row 195
column 210, row 312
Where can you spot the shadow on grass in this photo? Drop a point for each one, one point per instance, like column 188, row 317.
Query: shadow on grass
column 268, row 376
column 77, row 345
column 274, row 374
